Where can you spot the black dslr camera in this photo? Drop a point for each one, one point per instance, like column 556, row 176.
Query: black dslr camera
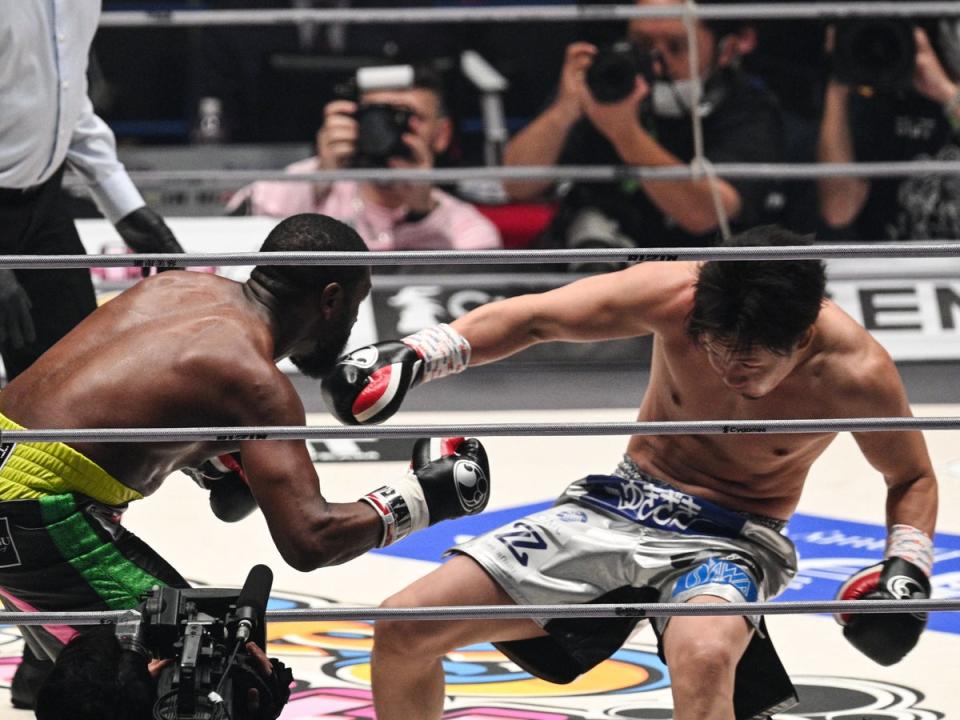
column 876, row 52
column 380, row 130
column 204, row 631
column 612, row 75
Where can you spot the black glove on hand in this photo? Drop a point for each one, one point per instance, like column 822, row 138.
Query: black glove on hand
column 885, row 638
column 453, row 485
column 16, row 323
column 144, row 231
column 369, row 384
column 230, row 496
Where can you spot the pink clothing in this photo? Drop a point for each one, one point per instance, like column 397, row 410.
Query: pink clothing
column 452, row 225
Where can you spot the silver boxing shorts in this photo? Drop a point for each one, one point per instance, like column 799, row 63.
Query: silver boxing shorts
column 626, row 537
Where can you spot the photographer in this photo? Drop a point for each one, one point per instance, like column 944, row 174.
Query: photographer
column 400, row 123
column 187, row 656
column 899, row 102
column 651, row 125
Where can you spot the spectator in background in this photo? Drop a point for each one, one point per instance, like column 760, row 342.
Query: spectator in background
column 652, row 126
column 48, row 123
column 387, row 215
column 913, row 115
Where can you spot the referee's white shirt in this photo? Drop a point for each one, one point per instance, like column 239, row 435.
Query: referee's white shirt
column 45, row 114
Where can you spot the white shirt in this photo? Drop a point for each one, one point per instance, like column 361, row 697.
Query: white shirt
column 45, row 114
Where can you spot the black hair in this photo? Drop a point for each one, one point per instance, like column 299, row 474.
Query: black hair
column 93, row 678
column 766, row 304
column 307, row 232
column 727, row 26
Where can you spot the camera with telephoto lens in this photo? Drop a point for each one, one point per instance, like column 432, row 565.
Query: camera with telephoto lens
column 380, row 130
column 875, row 52
column 204, row 632
column 612, row 75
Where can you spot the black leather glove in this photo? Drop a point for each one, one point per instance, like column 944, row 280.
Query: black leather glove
column 230, row 496
column 455, row 484
column 885, row 638
column 16, row 323
column 144, row 231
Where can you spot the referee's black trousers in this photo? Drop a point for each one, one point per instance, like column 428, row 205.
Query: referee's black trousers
column 37, row 222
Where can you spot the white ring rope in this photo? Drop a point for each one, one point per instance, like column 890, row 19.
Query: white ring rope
column 583, row 173
column 946, row 249
column 524, row 13
column 700, row 165
column 505, row 612
column 327, row 432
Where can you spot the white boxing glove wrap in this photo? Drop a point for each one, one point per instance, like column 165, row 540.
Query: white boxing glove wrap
column 911, row 544
column 443, row 350
column 402, row 508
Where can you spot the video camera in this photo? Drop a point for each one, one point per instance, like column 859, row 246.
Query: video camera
column 204, row 631
column 612, row 75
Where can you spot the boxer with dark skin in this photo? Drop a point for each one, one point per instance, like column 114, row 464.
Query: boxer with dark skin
column 184, row 349
column 742, row 341
column 194, row 349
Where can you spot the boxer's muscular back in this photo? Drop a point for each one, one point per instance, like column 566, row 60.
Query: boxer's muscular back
column 171, row 351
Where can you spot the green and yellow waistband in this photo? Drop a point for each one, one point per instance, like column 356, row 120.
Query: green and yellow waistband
column 37, row 469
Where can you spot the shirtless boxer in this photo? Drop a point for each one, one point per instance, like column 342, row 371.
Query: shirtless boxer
column 187, row 349
column 682, row 518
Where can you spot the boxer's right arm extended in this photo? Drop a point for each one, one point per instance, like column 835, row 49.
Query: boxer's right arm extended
column 369, row 384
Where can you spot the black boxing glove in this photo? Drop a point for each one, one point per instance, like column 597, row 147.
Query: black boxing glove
column 887, row 638
column 455, row 484
column 230, row 496
column 368, row 385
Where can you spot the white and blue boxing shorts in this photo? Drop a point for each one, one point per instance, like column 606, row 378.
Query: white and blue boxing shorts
column 627, row 537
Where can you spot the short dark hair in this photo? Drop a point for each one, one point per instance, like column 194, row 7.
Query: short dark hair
column 309, row 231
column 426, row 77
column 723, row 27
column 95, row 679
column 751, row 304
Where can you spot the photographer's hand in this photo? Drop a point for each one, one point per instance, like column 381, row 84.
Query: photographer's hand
column 579, row 56
column 542, row 141
column 337, row 137
column 616, row 120
column 929, row 77
column 419, row 199
column 278, row 679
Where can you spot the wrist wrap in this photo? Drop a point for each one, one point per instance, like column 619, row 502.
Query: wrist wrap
column 444, row 351
column 911, row 544
column 402, row 508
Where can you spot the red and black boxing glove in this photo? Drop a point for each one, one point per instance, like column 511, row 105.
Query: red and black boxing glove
column 455, row 484
column 886, row 638
column 230, row 496
column 368, row 385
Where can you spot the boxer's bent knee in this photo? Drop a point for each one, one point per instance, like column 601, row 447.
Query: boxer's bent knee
column 698, row 655
column 415, row 638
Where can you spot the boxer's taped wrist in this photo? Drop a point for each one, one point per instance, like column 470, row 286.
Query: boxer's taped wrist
column 402, row 508
column 443, row 350
column 911, row 544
